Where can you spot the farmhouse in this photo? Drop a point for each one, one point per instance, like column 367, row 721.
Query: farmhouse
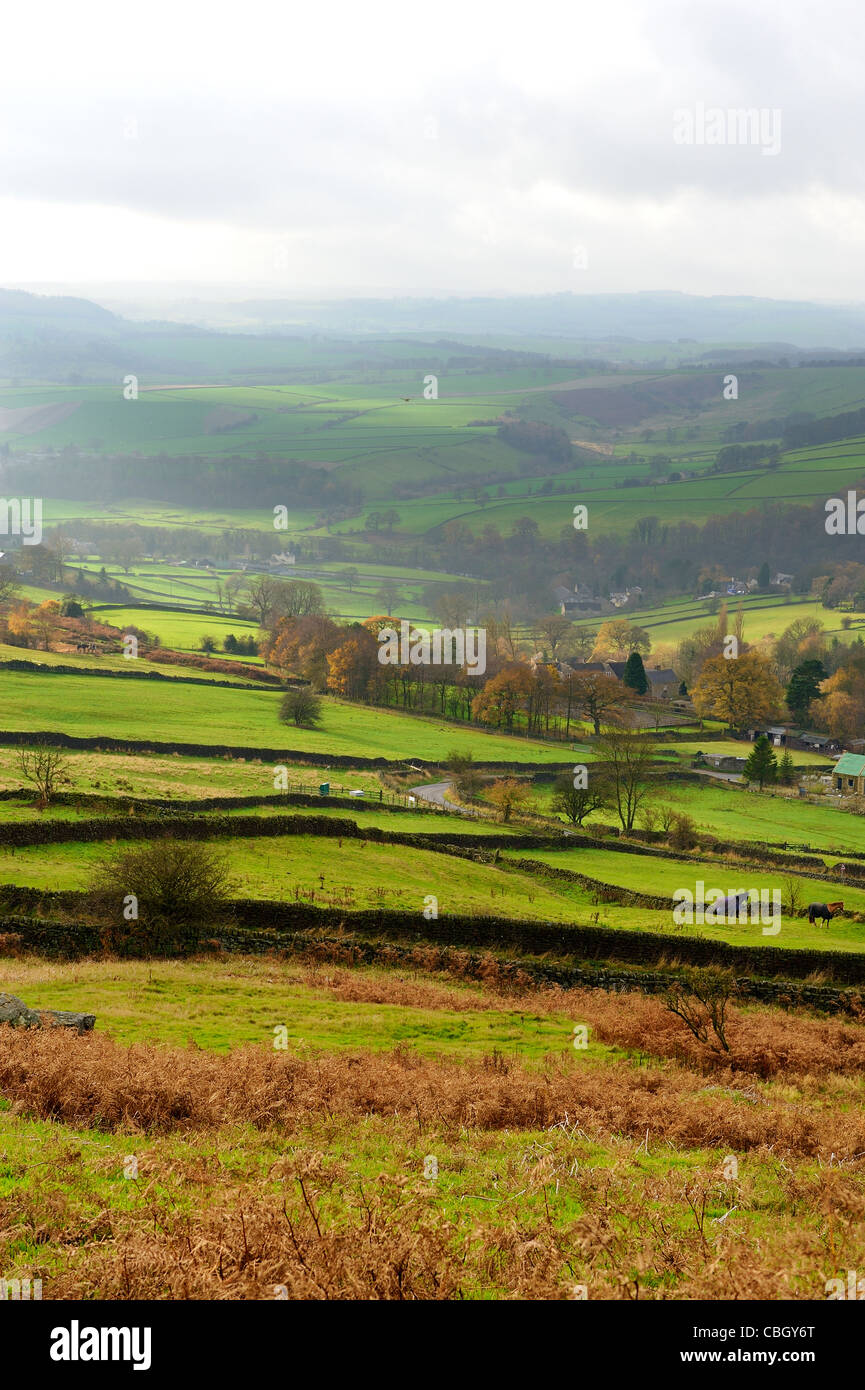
column 580, row 601
column 663, row 683
column 580, row 668
column 849, row 775
column 618, row 600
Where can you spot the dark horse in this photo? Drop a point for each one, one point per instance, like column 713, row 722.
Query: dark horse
column 824, row 912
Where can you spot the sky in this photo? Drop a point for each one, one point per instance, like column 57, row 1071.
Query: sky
column 445, row 148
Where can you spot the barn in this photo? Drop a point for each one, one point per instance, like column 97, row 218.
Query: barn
column 848, row 775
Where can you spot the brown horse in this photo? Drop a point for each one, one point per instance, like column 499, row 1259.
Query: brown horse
column 823, row 912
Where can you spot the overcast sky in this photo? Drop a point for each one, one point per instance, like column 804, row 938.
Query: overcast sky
column 465, row 147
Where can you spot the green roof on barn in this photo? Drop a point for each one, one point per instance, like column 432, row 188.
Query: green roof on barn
column 850, row 765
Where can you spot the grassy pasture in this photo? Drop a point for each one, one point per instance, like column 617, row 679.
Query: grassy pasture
column 116, row 661
column 355, row 874
column 182, row 631
column 171, row 777
column 738, row 814
column 665, row 876
column 195, row 714
column 240, row 1003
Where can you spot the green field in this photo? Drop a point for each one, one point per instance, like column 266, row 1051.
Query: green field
column 355, row 874
column 662, row 876
column 172, row 777
column 195, row 714
column 181, row 631
column 740, row 814
column 175, row 1002
column 764, row 616
column 116, row 661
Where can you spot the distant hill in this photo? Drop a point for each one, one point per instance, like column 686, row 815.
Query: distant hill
column 74, row 340
column 647, row 317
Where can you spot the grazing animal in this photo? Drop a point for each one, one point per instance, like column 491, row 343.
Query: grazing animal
column 823, row 912
column 733, row 908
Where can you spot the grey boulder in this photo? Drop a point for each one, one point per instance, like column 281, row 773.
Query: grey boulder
column 16, row 1013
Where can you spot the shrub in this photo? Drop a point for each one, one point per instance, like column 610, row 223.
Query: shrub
column 701, row 999
column 682, row 831
column 162, row 895
column 301, row 707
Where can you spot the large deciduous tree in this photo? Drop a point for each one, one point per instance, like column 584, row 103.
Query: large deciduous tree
column 617, row 637
column 740, row 690
column 503, row 696
column 508, row 795
column 577, row 802
column 600, row 698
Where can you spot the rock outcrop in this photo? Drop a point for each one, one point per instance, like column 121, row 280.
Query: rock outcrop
column 16, row 1013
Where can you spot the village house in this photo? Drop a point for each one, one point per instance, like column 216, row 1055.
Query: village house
column 849, row 775
column 619, row 599
column 581, row 600
column 664, row 683
column 579, row 668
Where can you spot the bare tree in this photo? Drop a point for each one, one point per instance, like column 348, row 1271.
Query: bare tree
column 500, row 632
column 388, row 596
column 629, row 756
column 552, row 628
column 701, row 999
column 261, row 596
column 234, row 586
column 43, row 767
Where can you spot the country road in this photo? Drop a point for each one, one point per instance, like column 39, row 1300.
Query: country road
column 435, row 791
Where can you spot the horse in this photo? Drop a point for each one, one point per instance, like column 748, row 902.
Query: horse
column 824, row 912
column 733, row 908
